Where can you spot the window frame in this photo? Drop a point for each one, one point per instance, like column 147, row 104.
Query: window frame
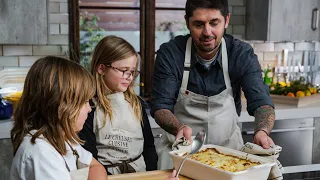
column 147, row 37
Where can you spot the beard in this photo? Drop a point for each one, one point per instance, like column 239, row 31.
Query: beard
column 208, row 48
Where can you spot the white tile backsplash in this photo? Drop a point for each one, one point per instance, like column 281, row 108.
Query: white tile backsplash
column 64, row 28
column 27, row 61
column 9, row 61
column 59, row 39
column 282, row 46
column 63, row 7
column 59, row 18
column 54, row 29
column 263, row 47
column 304, row 46
column 46, row 50
column 54, row 7
column 17, row 50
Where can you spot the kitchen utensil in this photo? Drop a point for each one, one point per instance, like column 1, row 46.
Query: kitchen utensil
column 195, row 146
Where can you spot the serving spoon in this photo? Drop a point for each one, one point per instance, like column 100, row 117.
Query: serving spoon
column 195, row 146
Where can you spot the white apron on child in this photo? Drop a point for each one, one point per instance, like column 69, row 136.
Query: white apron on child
column 216, row 114
column 121, row 140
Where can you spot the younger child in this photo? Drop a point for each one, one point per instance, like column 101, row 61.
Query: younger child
column 52, row 109
column 117, row 131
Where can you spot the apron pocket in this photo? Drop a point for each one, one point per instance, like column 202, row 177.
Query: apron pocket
column 235, row 141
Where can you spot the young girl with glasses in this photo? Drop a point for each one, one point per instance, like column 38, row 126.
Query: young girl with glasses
column 52, row 109
column 117, row 131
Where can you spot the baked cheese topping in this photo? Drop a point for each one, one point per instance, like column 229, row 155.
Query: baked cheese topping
column 212, row 157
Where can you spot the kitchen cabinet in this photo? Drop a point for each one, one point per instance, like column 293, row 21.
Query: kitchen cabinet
column 282, row 20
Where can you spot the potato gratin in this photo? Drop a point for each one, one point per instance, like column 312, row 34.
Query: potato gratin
column 212, row 157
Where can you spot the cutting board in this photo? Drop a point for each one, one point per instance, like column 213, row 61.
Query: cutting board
column 149, row 175
column 297, row 102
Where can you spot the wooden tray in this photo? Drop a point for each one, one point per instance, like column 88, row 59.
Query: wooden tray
column 298, row 102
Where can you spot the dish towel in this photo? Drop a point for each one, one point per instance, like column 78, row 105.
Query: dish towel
column 181, row 143
column 271, row 153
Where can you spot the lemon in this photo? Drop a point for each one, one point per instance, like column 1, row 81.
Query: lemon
column 300, row 94
column 308, row 93
column 282, row 84
column 313, row 90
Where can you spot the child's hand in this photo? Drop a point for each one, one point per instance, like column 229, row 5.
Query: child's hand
column 172, row 176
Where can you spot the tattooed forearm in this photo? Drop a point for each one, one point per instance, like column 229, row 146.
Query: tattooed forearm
column 168, row 121
column 264, row 118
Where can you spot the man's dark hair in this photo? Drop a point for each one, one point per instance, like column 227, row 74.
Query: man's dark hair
column 192, row 5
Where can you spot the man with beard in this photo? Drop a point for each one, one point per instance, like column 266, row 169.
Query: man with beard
column 197, row 83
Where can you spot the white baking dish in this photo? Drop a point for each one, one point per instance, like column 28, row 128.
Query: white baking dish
column 199, row 171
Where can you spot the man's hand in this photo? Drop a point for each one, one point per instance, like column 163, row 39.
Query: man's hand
column 262, row 139
column 185, row 131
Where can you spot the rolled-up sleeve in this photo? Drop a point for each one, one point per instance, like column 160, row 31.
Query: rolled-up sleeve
column 256, row 92
column 165, row 81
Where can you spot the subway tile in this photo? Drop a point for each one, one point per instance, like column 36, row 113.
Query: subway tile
column 59, row 39
column 46, row 50
column 17, row 50
column 9, row 61
column 271, row 56
column 27, row 61
column 59, row 18
column 236, row 2
column 54, row 7
column 54, row 29
column 238, row 29
column 317, row 46
column 282, row 46
column 304, row 46
column 263, row 47
column 229, row 29
column 58, row 0
column 239, row 10
column 259, row 56
column 237, row 20
column 63, row 7
column 230, row 9
column 64, row 28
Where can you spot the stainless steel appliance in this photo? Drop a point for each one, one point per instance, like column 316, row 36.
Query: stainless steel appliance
column 295, row 136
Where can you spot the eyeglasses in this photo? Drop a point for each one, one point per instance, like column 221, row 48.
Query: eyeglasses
column 126, row 73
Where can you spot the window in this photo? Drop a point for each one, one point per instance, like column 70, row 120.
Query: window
column 146, row 24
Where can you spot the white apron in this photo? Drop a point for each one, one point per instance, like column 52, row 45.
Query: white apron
column 120, row 141
column 216, row 114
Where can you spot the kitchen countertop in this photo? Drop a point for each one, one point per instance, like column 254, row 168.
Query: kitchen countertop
column 283, row 112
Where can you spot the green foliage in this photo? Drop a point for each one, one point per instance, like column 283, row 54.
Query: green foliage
column 92, row 35
column 295, row 86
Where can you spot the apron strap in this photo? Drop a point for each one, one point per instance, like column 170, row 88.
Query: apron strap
column 225, row 64
column 187, row 59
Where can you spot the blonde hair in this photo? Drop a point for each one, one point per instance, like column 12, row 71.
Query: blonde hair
column 55, row 90
column 111, row 49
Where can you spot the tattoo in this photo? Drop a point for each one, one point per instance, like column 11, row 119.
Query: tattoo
column 168, row 121
column 264, row 118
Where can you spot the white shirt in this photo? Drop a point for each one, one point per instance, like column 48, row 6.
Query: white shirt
column 41, row 161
